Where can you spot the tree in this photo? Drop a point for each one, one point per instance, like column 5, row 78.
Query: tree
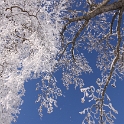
column 24, row 49
column 40, row 37
column 98, row 26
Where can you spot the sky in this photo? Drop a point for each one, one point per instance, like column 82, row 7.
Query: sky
column 69, row 105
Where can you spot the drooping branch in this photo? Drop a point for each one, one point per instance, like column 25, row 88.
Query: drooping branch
column 114, row 62
column 76, row 36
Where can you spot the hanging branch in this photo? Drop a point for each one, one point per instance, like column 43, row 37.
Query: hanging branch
column 115, row 60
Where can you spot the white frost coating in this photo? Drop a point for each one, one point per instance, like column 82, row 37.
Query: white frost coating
column 28, row 47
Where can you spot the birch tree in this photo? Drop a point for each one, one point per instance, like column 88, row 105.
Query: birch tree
column 40, row 37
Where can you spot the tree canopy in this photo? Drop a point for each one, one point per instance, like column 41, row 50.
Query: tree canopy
column 40, row 37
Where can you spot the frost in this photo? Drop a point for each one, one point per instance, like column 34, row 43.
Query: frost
column 112, row 108
column 29, row 43
column 82, row 100
column 38, row 38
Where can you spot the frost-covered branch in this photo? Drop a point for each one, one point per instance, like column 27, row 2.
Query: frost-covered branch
column 40, row 37
column 97, row 35
column 115, row 60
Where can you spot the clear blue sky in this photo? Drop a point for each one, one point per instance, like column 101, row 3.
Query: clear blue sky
column 69, row 106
